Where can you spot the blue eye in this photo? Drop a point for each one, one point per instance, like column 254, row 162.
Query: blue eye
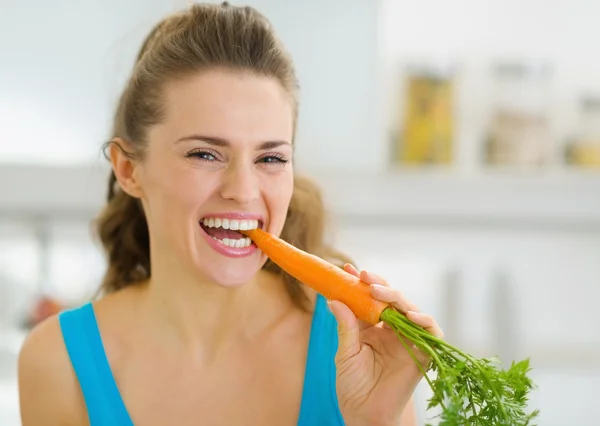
column 273, row 159
column 202, row 155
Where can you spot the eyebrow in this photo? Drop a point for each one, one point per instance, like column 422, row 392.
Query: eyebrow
column 225, row 143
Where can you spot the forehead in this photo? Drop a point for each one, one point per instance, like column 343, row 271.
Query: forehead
column 238, row 107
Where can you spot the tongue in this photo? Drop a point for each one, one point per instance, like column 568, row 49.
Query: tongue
column 221, row 233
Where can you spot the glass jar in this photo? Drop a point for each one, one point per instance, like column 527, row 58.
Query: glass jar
column 427, row 132
column 584, row 149
column 519, row 132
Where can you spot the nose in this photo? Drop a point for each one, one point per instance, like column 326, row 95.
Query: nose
column 240, row 184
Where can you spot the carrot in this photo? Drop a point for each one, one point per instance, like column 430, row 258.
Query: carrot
column 469, row 390
column 329, row 280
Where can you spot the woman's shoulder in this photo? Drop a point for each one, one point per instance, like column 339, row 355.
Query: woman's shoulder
column 48, row 389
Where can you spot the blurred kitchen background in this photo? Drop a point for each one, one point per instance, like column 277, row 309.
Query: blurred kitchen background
column 458, row 144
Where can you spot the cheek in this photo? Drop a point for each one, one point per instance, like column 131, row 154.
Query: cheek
column 279, row 196
column 176, row 191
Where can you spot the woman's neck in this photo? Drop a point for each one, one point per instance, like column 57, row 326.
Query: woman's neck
column 206, row 319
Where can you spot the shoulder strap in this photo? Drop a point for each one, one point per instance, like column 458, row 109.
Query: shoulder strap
column 86, row 352
column 319, row 397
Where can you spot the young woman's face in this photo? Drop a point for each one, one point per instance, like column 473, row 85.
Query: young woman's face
column 220, row 160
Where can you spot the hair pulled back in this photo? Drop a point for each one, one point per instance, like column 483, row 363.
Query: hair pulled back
column 205, row 36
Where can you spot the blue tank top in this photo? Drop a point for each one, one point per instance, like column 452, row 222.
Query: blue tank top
column 105, row 407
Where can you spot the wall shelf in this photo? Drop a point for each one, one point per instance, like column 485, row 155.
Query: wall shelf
column 558, row 199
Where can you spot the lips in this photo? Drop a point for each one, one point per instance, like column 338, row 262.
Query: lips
column 222, row 234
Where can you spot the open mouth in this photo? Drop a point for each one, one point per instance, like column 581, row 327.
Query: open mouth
column 226, row 232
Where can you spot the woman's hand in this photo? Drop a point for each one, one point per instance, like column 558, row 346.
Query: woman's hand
column 376, row 376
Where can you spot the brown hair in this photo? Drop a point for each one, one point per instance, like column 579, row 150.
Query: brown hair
column 202, row 37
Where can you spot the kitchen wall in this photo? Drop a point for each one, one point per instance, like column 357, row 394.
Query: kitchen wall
column 334, row 44
column 508, row 260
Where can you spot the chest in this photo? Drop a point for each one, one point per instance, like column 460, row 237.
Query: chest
column 255, row 386
column 257, row 397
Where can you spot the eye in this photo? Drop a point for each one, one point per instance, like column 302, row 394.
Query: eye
column 273, row 159
column 202, row 155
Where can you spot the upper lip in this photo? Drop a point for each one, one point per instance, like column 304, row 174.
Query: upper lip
column 237, row 215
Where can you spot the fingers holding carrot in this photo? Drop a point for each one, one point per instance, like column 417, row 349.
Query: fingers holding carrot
column 351, row 270
column 381, row 290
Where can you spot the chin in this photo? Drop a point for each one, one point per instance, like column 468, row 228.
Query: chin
column 231, row 281
column 231, row 273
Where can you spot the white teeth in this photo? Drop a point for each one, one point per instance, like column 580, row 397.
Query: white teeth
column 233, row 224
column 239, row 243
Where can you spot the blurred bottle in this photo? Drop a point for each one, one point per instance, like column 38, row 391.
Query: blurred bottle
column 427, row 130
column 519, row 132
column 584, row 148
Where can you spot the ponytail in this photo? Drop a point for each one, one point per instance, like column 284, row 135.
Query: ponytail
column 123, row 231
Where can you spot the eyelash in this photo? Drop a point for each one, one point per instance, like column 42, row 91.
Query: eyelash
column 279, row 159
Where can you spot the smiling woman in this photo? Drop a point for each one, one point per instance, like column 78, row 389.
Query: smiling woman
column 234, row 170
column 193, row 321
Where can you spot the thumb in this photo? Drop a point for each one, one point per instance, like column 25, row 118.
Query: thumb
column 348, row 330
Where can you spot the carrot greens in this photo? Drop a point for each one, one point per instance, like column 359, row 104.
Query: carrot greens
column 470, row 391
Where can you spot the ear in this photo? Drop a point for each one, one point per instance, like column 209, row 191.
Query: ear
column 126, row 167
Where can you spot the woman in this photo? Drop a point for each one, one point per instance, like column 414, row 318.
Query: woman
column 195, row 325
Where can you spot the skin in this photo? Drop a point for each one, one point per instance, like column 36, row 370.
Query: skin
column 205, row 336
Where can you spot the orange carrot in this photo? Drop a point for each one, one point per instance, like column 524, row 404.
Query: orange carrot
column 325, row 278
column 469, row 390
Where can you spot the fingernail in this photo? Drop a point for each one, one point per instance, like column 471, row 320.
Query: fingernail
column 382, row 288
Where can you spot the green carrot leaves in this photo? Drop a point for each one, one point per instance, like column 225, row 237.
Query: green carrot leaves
column 470, row 391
